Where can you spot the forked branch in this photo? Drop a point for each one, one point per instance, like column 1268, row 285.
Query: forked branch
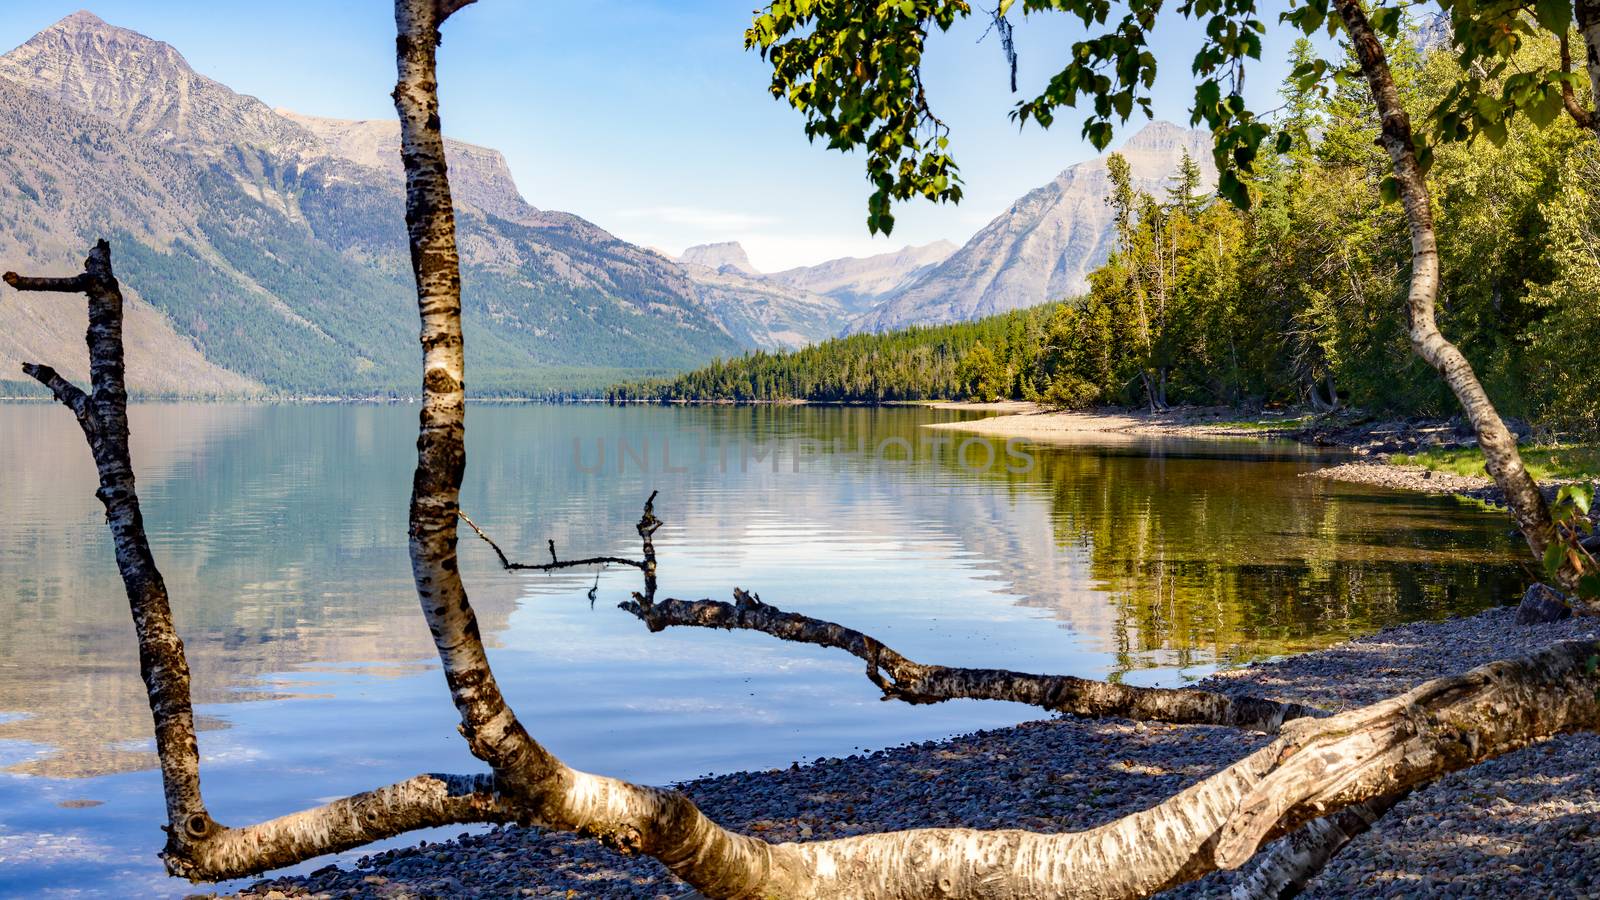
column 554, row 563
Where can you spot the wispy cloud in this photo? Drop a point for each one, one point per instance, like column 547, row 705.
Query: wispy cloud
column 698, row 217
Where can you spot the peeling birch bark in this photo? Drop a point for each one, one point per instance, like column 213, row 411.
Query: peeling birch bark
column 1286, row 866
column 1587, row 15
column 902, row 679
column 1499, row 445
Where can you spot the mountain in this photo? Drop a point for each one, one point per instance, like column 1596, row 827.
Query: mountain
column 478, row 175
column 144, row 86
column 724, row 255
column 1045, row 245
column 264, row 250
column 766, row 314
column 860, row 282
column 803, row 305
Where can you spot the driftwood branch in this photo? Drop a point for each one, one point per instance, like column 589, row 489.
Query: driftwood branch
column 912, row 682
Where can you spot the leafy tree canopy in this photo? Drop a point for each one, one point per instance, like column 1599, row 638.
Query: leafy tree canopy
column 853, row 68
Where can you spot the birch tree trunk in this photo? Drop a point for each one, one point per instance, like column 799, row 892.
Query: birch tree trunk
column 1587, row 15
column 1499, row 446
column 103, row 416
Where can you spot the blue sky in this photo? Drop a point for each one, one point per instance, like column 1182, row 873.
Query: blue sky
column 647, row 116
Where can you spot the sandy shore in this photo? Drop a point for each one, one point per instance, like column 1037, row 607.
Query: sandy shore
column 1019, row 418
column 1525, row 823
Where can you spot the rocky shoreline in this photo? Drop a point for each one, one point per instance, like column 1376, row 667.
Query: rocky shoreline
column 1523, row 823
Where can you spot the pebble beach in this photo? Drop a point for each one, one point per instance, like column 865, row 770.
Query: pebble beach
column 1527, row 822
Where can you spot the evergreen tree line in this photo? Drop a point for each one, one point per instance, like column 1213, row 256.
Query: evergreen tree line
column 1298, row 300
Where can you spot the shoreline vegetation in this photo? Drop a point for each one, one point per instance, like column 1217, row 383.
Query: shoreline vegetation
column 1427, row 455
column 1526, row 816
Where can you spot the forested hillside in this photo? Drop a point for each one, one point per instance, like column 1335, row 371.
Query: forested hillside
column 1299, row 300
column 924, row 362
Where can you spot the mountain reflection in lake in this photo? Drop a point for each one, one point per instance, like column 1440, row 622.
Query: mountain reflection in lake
column 281, row 531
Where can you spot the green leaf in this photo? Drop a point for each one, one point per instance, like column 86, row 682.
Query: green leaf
column 1554, row 556
column 1581, row 495
column 1389, row 189
column 1232, row 189
column 1554, row 15
column 1004, row 6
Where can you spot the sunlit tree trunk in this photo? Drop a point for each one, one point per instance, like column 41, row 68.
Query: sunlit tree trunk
column 1587, row 14
column 1499, row 446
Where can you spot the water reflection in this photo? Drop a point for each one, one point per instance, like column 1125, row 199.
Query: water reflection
column 279, row 549
column 281, row 533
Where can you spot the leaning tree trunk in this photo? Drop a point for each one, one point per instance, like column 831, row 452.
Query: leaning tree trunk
column 1587, row 14
column 1499, row 446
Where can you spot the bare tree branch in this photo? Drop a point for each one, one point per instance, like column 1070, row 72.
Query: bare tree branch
column 902, row 679
column 446, row 8
column 65, row 391
column 554, row 563
column 76, row 284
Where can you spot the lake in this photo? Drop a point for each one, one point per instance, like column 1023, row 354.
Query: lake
column 282, row 534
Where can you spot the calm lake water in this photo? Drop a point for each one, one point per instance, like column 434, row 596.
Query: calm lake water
column 281, row 532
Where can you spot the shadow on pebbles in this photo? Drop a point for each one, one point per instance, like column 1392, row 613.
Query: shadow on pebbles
column 1527, row 823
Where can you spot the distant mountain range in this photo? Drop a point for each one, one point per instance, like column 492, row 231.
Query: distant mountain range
column 264, row 250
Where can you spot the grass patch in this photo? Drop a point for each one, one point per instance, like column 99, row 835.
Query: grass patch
column 1560, row 461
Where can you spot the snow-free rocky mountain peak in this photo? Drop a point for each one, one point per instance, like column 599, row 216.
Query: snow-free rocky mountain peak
column 723, row 255
column 1044, row 246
